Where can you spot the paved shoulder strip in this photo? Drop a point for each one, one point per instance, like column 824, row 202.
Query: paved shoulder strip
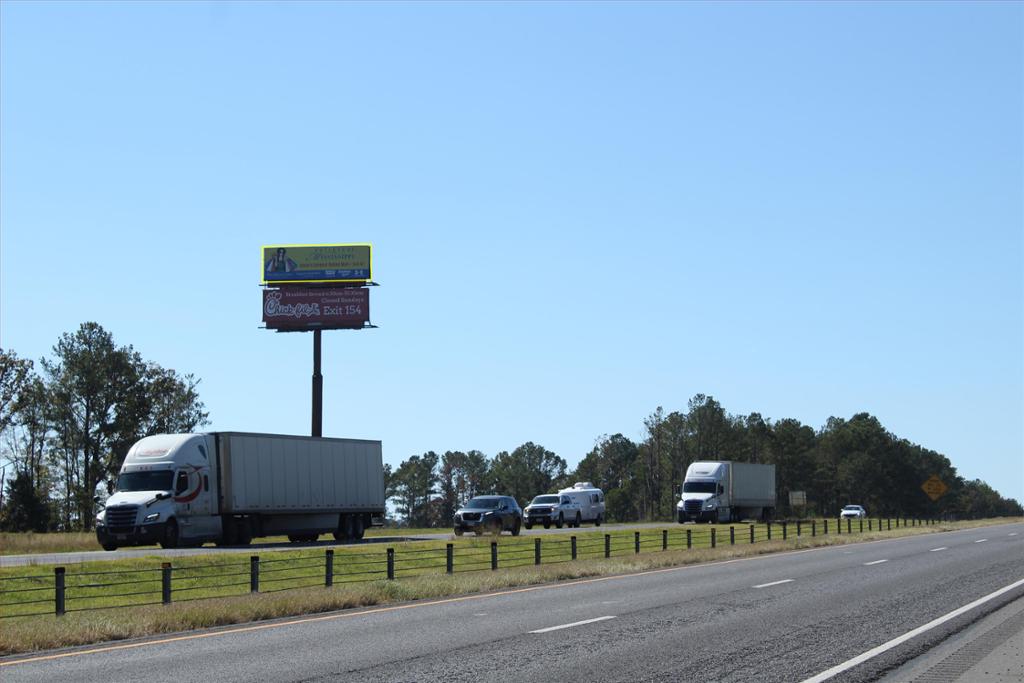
column 885, row 647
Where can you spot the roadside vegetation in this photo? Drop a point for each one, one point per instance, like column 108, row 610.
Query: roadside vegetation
column 213, row 590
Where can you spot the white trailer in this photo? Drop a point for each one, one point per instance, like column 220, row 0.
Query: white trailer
column 590, row 501
column 230, row 487
column 724, row 491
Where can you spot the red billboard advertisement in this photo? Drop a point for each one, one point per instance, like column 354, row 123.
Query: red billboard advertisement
column 315, row 308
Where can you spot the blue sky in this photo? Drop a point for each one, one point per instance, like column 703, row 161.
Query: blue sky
column 579, row 211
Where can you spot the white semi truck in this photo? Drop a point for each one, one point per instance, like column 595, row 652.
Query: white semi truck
column 231, row 487
column 727, row 491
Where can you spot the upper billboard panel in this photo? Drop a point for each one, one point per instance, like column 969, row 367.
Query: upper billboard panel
column 305, row 263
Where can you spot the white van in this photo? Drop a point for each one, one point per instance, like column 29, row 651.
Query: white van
column 590, row 500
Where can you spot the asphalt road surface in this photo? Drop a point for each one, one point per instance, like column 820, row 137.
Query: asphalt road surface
column 257, row 547
column 785, row 617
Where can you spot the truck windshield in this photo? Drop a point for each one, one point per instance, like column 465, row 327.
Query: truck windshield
column 700, row 487
column 161, row 480
column 545, row 500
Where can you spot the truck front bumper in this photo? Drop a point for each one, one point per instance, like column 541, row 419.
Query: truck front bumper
column 143, row 534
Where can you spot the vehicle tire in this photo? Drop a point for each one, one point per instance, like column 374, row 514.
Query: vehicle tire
column 561, row 520
column 478, row 531
column 515, row 528
column 243, row 532
column 294, row 538
column 714, row 518
column 528, row 525
column 579, row 520
column 459, row 532
column 172, row 536
column 109, row 546
column 597, row 522
column 358, row 528
column 547, row 523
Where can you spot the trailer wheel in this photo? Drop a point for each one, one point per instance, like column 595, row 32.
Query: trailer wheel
column 597, row 522
column 579, row 520
column 358, row 528
column 171, row 534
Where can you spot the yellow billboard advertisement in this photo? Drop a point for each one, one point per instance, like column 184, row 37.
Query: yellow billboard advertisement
column 305, row 263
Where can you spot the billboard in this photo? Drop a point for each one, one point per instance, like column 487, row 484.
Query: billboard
column 300, row 263
column 326, row 308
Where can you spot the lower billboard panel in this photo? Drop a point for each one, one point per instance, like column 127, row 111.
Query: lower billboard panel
column 316, row 308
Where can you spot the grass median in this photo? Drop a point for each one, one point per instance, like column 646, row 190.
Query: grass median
column 118, row 599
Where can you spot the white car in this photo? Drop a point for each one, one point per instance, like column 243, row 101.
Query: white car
column 853, row 511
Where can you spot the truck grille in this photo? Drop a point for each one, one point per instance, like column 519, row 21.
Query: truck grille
column 122, row 517
column 691, row 507
column 471, row 516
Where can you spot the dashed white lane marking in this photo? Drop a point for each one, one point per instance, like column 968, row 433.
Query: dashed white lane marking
column 884, row 647
column 773, row 583
column 575, row 623
column 1013, row 533
column 935, row 550
column 868, row 564
column 981, row 540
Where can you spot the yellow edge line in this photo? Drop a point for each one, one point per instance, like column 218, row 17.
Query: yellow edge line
column 432, row 603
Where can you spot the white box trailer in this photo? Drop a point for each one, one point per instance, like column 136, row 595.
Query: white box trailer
column 229, row 487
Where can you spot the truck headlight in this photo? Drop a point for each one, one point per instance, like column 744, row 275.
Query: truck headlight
column 152, row 517
column 101, row 519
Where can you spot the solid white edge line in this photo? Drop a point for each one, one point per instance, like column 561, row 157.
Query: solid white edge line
column 773, row 583
column 874, row 652
column 575, row 623
column 935, row 550
column 868, row 564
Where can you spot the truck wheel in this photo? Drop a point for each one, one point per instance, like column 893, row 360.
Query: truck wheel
column 110, row 546
column 459, row 532
column 597, row 522
column 561, row 520
column 528, row 525
column 547, row 523
column 579, row 520
column 171, row 534
column 243, row 532
column 515, row 528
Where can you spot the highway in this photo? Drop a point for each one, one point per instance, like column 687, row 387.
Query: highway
column 793, row 616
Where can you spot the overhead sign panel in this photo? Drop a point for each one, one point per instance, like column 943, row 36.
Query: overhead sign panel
column 325, row 308
column 305, row 263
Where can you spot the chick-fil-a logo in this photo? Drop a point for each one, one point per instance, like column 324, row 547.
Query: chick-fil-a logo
column 273, row 308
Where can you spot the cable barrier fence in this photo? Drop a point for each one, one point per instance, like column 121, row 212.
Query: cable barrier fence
column 30, row 592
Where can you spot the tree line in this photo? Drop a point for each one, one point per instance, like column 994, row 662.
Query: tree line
column 853, row 460
column 66, row 427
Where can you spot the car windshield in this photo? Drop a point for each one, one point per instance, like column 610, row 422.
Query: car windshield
column 161, row 480
column 852, row 507
column 700, row 487
column 545, row 500
column 484, row 503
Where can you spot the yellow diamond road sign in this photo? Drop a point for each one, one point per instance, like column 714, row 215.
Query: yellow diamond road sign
column 934, row 487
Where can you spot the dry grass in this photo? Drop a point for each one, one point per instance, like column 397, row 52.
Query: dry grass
column 47, row 632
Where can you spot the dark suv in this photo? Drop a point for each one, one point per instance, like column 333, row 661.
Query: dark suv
column 493, row 514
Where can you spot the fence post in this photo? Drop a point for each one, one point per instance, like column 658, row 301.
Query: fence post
column 254, row 573
column 165, row 583
column 849, row 525
column 664, row 539
column 825, row 522
column 494, row 555
column 798, row 528
column 391, row 564
column 328, row 568
column 712, row 537
column 607, row 545
column 769, row 530
column 785, row 534
column 689, row 539
column 636, row 541
column 869, row 524
column 58, row 591
column 536, row 551
column 861, row 525
column 888, row 523
column 572, row 543
column 732, row 535
column 814, row 528
column 449, row 558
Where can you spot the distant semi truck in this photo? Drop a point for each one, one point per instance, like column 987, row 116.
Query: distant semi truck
column 231, row 487
column 727, row 491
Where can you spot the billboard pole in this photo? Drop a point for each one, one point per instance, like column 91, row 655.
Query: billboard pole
column 318, row 388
